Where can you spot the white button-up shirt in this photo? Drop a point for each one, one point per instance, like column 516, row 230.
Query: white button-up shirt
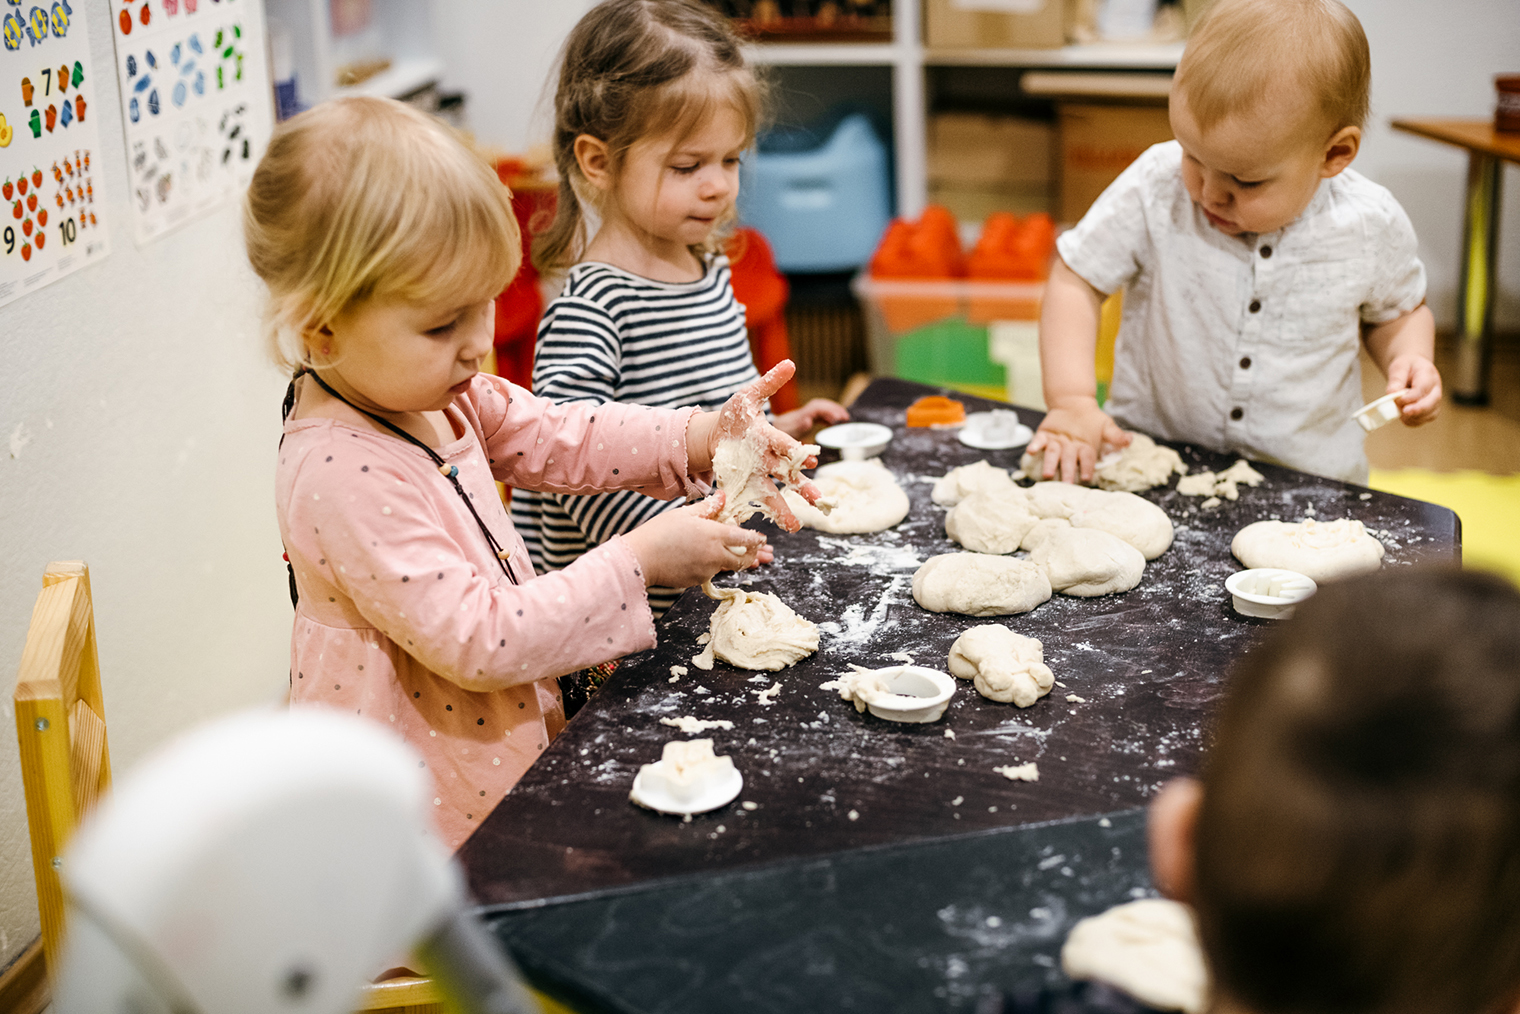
column 1246, row 343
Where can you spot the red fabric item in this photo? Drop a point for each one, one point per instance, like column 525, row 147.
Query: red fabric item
column 763, row 291
column 520, row 305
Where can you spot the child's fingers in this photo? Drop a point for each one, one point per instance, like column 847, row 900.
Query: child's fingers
column 1113, row 435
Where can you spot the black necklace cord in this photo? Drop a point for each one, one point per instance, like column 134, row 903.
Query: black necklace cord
column 449, row 472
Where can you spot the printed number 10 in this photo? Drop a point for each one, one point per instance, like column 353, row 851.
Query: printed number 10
column 66, row 229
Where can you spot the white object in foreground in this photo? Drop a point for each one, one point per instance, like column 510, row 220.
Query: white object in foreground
column 997, row 430
column 1378, row 413
column 855, row 441
column 1269, row 592
column 1148, row 948
column 899, row 693
column 687, row 779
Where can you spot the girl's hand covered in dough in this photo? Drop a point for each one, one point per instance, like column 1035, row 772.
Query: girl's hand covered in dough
column 685, row 547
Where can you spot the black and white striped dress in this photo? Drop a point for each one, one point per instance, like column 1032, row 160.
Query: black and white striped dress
column 614, row 336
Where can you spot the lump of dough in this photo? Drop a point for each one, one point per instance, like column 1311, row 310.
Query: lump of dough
column 1225, row 484
column 866, row 498
column 755, row 630
column 1057, row 499
column 1134, row 469
column 1041, row 531
column 1148, row 948
column 959, row 483
column 979, row 585
column 990, row 522
column 1132, row 518
column 1004, row 666
column 1087, row 562
column 1322, row 550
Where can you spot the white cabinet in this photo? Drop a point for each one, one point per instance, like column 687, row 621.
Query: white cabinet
column 326, row 36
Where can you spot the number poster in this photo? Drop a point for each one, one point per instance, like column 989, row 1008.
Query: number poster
column 195, row 104
column 50, row 223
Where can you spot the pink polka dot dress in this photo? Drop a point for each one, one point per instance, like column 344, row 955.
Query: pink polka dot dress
column 405, row 616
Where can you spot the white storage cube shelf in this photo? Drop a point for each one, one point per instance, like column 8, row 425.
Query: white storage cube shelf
column 401, row 31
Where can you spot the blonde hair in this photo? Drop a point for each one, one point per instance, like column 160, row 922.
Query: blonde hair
column 367, row 198
column 1242, row 49
column 634, row 69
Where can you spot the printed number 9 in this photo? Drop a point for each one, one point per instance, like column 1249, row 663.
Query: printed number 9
column 10, row 239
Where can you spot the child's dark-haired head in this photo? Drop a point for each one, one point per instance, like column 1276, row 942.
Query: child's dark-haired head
column 1358, row 840
column 634, row 70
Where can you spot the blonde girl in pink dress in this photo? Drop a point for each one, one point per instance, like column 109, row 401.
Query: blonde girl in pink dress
column 383, row 240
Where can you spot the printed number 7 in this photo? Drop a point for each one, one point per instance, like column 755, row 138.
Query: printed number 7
column 10, row 239
column 47, row 74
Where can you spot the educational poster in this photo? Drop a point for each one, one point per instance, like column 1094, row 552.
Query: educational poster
column 50, row 223
column 195, row 104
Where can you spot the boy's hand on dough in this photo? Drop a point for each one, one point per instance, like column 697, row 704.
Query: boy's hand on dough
column 797, row 422
column 1418, row 382
column 1071, row 438
column 684, row 547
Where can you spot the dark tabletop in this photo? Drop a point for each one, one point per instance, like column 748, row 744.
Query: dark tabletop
column 1148, row 664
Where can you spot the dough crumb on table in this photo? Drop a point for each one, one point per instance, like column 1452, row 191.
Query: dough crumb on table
column 1073, row 698
column 768, row 695
column 1020, row 772
column 1221, row 484
column 692, row 725
column 678, row 670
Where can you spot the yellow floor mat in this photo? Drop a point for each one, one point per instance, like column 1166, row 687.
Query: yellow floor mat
column 1489, row 506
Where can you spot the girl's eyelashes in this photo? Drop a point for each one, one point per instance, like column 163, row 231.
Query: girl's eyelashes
column 444, row 330
column 686, row 170
column 1247, row 184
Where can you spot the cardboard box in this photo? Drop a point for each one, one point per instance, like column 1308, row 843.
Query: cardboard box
column 994, row 24
column 976, row 150
column 1097, row 143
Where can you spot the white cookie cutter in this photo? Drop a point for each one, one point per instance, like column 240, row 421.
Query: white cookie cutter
column 1378, row 413
column 1268, row 592
column 914, row 694
column 855, row 441
column 994, row 431
column 709, row 795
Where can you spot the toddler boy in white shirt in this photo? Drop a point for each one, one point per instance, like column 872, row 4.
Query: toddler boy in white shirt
column 1255, row 262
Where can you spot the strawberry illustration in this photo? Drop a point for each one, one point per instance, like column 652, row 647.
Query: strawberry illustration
column 21, row 185
column 41, row 239
column 26, row 251
column 144, row 15
column 16, row 210
column 42, row 218
column 36, row 177
column 31, row 201
column 125, row 20
column 8, row 189
column 26, row 227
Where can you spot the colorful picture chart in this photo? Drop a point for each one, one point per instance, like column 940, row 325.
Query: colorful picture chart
column 50, row 223
column 195, row 104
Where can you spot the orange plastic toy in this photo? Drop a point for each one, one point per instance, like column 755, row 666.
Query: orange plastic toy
column 936, row 410
column 1013, row 250
column 927, row 248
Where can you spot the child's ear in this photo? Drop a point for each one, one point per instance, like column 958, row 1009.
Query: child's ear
column 1340, row 151
column 1171, row 833
column 595, row 160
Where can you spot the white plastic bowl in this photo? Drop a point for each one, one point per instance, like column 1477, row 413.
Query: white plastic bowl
column 855, row 441
column 914, row 694
column 994, row 431
column 1378, row 413
column 1268, row 592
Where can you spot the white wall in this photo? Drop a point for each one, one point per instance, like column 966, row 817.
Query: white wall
column 1428, row 60
column 1439, row 60
column 151, row 418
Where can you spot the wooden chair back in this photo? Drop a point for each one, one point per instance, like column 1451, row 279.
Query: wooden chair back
column 61, row 728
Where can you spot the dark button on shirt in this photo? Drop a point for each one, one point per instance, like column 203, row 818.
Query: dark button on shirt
column 1255, row 305
column 1266, row 251
column 1236, row 413
column 1245, row 362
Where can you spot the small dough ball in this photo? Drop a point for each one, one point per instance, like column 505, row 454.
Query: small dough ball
column 866, row 499
column 1087, row 562
column 979, row 585
column 1132, row 518
column 990, row 522
column 1322, row 550
column 1148, row 948
column 1041, row 531
column 1057, row 499
column 959, row 483
column 1004, row 666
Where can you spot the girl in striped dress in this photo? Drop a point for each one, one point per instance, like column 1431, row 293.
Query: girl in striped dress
column 654, row 106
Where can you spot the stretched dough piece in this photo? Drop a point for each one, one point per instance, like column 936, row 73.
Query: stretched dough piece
column 1322, row 550
column 755, row 630
column 865, row 496
column 1002, row 665
column 1087, row 562
column 1147, row 948
column 1132, row 518
column 739, row 471
column 979, row 585
column 990, row 522
column 959, row 483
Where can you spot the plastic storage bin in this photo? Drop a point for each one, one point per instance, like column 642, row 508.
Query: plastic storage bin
column 822, row 208
column 937, row 331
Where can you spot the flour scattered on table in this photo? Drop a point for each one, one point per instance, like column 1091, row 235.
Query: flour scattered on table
column 1020, row 772
column 854, row 815
column 902, row 656
column 691, row 724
